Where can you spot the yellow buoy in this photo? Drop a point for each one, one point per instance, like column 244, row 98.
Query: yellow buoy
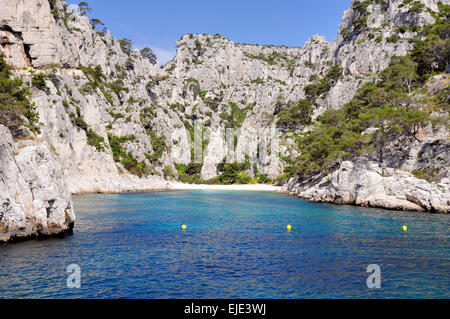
column 184, row 227
column 405, row 228
column 289, row 227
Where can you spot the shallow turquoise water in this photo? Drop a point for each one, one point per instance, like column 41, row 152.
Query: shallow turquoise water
column 236, row 246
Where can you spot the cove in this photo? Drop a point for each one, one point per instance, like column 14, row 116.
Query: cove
column 236, row 246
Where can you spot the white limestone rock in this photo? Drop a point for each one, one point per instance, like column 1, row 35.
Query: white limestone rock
column 34, row 197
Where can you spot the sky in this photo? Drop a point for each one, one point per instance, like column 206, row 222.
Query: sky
column 158, row 24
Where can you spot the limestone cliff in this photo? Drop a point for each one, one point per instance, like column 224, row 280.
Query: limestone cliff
column 117, row 121
column 34, row 197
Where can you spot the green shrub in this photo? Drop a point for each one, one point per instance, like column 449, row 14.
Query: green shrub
column 126, row 45
column 126, row 159
column 15, row 102
column 79, row 122
column 168, row 173
column 231, row 174
column 38, row 81
column 393, row 39
column 295, row 115
column 95, row 140
column 315, row 90
column 190, row 174
column 338, row 134
column 117, row 115
column 236, row 116
column 159, row 147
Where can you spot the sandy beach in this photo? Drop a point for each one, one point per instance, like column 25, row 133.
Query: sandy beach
column 256, row 187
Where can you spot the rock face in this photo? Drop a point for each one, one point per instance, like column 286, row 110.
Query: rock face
column 50, row 37
column 34, row 197
column 365, row 183
column 113, row 120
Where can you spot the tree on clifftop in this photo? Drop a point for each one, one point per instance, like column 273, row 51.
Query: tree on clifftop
column 84, row 7
column 148, row 53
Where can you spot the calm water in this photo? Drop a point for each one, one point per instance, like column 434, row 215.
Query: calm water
column 236, row 246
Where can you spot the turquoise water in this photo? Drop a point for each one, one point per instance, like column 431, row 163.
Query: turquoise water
column 236, row 246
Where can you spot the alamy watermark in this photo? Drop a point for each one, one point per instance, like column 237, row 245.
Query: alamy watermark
column 233, row 145
column 374, row 280
column 74, row 279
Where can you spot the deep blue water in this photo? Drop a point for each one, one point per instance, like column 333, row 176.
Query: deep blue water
column 236, row 246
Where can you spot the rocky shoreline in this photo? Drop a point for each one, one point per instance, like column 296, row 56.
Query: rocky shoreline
column 366, row 183
column 110, row 119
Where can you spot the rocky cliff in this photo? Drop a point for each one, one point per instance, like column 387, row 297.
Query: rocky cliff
column 115, row 120
column 35, row 200
column 366, row 183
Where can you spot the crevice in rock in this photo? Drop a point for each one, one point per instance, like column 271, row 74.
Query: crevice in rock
column 28, row 58
column 50, row 207
column 7, row 28
column 17, row 35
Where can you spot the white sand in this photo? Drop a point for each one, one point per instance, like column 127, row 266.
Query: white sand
column 256, row 187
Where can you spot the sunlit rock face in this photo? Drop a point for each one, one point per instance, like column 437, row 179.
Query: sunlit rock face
column 152, row 110
column 34, row 197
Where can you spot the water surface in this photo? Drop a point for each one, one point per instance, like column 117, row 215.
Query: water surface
column 236, row 246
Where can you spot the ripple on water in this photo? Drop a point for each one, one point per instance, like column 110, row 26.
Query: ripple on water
column 236, row 246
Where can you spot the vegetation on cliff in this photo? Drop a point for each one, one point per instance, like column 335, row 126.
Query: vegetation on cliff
column 15, row 106
column 381, row 111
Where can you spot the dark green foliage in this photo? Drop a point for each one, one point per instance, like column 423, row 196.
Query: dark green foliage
column 159, row 147
column 386, row 105
column 95, row 140
column 433, row 52
column 258, row 80
column 232, row 174
column 339, row 134
column 94, row 75
column 79, row 122
column 315, row 90
column 38, row 81
column 432, row 55
column 148, row 54
column 155, row 81
column 168, row 173
column 275, row 58
column 126, row 45
column 117, row 116
column 295, row 115
column 346, row 33
column 99, row 26
column 361, row 7
column 190, row 174
column 126, row 159
column 393, row 39
column 193, row 86
column 97, row 79
column 117, row 87
column 15, row 102
column 401, row 75
column 146, row 116
column 84, row 7
column 236, row 116
column 55, row 12
column 129, row 64
column 414, row 6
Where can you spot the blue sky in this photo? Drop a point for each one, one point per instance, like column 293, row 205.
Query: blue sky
column 159, row 24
